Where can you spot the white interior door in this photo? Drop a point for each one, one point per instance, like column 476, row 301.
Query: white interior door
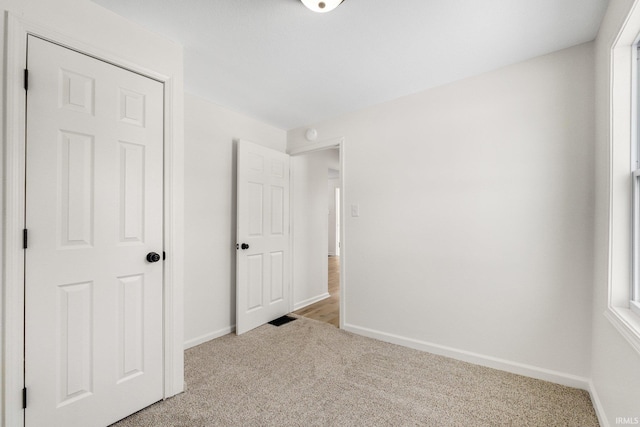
column 262, row 261
column 93, row 302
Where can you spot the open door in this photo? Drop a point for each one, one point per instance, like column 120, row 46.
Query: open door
column 262, row 261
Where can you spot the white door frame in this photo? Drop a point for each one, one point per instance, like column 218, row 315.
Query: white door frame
column 14, row 198
column 321, row 146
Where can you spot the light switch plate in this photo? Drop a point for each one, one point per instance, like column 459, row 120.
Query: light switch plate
column 355, row 210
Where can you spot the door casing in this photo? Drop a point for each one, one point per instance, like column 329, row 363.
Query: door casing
column 14, row 199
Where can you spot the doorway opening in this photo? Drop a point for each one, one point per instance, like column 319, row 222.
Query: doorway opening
column 317, row 234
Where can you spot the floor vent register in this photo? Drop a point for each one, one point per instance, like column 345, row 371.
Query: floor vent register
column 282, row 320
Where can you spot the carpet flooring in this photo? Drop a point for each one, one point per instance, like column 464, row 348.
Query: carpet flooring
column 308, row 373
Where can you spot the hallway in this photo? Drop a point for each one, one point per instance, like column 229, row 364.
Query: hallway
column 327, row 310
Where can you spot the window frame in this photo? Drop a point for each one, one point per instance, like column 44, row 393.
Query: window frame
column 619, row 128
column 634, row 292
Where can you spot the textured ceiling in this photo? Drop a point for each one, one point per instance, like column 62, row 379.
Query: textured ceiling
column 279, row 62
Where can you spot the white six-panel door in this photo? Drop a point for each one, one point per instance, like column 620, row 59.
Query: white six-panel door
column 262, row 256
column 93, row 303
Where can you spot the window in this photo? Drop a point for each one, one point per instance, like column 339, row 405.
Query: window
column 619, row 125
column 634, row 303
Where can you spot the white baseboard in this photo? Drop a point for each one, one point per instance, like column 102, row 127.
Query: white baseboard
column 303, row 304
column 475, row 358
column 208, row 337
column 597, row 405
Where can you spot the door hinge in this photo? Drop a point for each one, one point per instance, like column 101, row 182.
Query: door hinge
column 24, row 238
column 26, row 79
column 24, row 398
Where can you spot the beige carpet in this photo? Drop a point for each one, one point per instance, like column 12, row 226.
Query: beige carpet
column 307, row 373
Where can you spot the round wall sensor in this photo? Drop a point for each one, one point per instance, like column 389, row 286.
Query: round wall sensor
column 311, row 134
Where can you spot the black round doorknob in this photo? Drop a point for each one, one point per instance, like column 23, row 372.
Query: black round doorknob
column 244, row 246
column 153, row 257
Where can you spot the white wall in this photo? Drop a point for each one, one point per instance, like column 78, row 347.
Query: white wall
column 475, row 232
column 310, row 227
column 615, row 369
column 210, row 212
column 332, row 184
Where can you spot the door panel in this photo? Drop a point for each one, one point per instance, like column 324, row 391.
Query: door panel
column 262, row 285
column 277, row 276
column 93, row 304
column 75, row 163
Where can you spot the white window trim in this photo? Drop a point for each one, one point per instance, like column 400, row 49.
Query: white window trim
column 635, row 307
column 621, row 312
column 634, row 297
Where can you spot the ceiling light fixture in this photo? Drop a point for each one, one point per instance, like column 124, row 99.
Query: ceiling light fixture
column 321, row 6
